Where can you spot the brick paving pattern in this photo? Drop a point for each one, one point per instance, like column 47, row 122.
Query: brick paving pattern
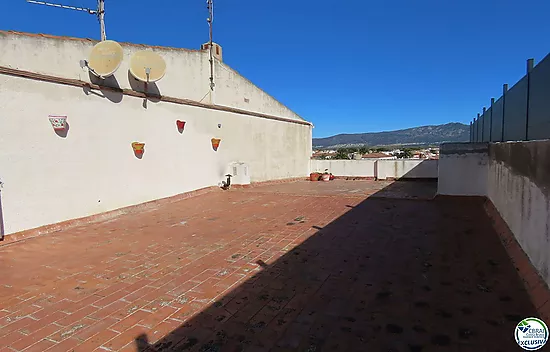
column 303, row 266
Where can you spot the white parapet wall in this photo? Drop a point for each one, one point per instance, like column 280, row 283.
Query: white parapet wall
column 515, row 177
column 406, row 169
column 187, row 74
column 519, row 188
column 351, row 168
column 91, row 167
column 379, row 169
column 463, row 169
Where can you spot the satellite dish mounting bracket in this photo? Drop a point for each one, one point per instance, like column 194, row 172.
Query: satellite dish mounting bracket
column 147, row 73
column 84, row 63
column 147, row 66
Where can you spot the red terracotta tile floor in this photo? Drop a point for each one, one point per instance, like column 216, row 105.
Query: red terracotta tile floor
column 303, row 266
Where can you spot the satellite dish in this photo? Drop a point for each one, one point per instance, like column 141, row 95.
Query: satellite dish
column 105, row 58
column 147, row 66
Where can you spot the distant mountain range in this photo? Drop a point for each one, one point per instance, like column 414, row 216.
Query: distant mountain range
column 450, row 132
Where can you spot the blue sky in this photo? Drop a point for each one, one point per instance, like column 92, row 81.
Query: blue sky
column 347, row 66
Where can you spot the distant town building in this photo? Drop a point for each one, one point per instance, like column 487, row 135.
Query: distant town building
column 323, row 154
column 379, row 156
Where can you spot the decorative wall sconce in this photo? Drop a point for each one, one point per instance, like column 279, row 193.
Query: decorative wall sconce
column 181, row 125
column 216, row 143
column 139, row 148
column 59, row 123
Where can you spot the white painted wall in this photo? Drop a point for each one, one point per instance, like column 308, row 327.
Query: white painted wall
column 48, row 178
column 522, row 203
column 406, row 168
column 526, row 211
column 187, row 74
column 463, row 169
column 514, row 176
column 355, row 168
column 381, row 169
column 232, row 89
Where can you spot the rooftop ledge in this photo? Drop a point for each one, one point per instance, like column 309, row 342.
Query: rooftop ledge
column 57, row 37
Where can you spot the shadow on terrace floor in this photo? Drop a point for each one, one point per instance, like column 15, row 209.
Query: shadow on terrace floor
column 388, row 275
column 2, row 231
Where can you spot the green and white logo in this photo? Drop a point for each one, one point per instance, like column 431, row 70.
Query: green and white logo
column 531, row 334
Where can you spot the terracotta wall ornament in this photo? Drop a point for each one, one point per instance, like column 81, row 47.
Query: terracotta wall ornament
column 139, row 148
column 181, row 125
column 59, row 123
column 216, row 143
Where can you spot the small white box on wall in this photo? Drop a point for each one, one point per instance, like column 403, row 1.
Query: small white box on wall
column 240, row 172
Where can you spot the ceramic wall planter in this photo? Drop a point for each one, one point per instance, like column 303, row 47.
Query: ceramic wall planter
column 138, row 148
column 216, row 143
column 181, row 125
column 314, row 176
column 59, row 123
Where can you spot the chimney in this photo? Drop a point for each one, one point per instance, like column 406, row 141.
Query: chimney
column 217, row 50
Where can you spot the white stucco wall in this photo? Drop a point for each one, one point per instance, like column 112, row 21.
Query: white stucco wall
column 187, row 74
column 353, row 168
column 406, row 169
column 463, row 169
column 235, row 91
column 518, row 179
column 381, row 169
column 515, row 177
column 49, row 178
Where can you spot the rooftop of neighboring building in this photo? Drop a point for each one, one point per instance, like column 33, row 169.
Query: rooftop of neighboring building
column 375, row 155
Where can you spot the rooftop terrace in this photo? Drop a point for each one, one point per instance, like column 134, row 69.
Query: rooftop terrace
column 308, row 266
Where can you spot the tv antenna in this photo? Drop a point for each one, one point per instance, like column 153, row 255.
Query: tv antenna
column 99, row 12
column 210, row 19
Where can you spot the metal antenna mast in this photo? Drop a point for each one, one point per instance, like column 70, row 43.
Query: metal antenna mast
column 99, row 12
column 101, row 18
column 210, row 19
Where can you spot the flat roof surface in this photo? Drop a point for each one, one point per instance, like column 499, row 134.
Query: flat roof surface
column 306, row 266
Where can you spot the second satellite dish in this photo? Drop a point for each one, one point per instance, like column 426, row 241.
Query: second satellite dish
column 105, row 58
column 147, row 66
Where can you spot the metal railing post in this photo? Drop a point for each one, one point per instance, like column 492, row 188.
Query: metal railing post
column 491, row 121
column 504, row 91
column 483, row 124
column 477, row 128
column 530, row 65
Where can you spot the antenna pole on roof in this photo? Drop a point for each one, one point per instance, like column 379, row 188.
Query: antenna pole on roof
column 210, row 19
column 101, row 18
column 99, row 12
